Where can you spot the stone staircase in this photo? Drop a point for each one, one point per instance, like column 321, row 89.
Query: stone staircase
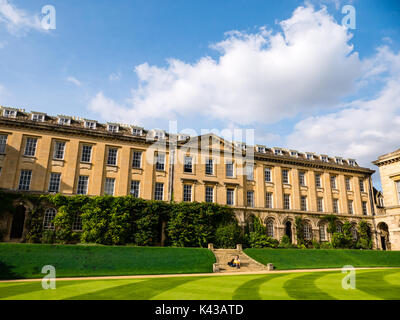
column 247, row 264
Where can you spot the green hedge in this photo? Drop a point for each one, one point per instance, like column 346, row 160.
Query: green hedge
column 125, row 220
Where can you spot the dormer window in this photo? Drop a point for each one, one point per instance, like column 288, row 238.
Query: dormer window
column 278, row 152
column 158, row 134
column 294, row 154
column 352, row 162
column 8, row 113
column 261, row 149
column 324, row 158
column 182, row 137
column 112, row 128
column 137, row 131
column 64, row 121
column 310, row 156
column 37, row 117
column 339, row 161
column 90, row 125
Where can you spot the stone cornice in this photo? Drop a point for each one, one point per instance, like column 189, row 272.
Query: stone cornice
column 71, row 130
column 316, row 164
column 383, row 162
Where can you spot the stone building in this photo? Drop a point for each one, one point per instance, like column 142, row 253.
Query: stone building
column 69, row 155
column 388, row 203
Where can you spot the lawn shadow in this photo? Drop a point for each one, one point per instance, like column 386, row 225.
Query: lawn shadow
column 7, row 273
column 15, row 289
column 143, row 290
column 303, row 287
column 250, row 290
column 373, row 283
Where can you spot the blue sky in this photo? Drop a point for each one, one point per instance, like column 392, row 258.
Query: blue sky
column 86, row 67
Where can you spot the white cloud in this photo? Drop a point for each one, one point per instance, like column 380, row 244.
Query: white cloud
column 364, row 129
column 74, row 81
column 309, row 65
column 16, row 19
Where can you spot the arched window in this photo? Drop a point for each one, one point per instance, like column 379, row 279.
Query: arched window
column 49, row 216
column 322, row 232
column 307, row 231
column 270, row 228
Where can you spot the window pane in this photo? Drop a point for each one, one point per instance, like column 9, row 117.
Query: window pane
column 82, row 185
column 3, row 143
column 25, row 180
column 268, row 175
column 187, row 193
column 268, row 200
column 230, row 197
column 159, row 191
column 49, row 216
column 109, row 186
column 86, row 153
column 59, row 150
column 137, row 160
column 250, row 198
column 135, row 188
column 160, row 162
column 209, row 194
column 30, row 147
column 54, row 184
column 188, row 166
column 209, row 166
column 112, row 157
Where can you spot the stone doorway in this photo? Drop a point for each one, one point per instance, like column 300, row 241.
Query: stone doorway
column 288, row 230
column 18, row 222
column 383, row 231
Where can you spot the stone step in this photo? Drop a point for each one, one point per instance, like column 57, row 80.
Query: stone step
column 223, row 256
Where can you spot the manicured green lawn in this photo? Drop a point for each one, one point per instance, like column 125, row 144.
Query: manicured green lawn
column 24, row 261
column 285, row 259
column 370, row 284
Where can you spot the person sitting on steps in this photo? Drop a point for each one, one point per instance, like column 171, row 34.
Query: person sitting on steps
column 236, row 262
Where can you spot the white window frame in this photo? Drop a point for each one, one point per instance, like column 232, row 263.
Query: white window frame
column 160, row 161
column 109, row 186
column 25, row 180
column 207, row 194
column 187, row 193
column 318, row 180
column 64, row 121
column 269, row 200
column 286, row 201
column 303, row 203
column 112, row 156
column 82, row 185
column 37, row 117
column 54, row 182
column 209, row 165
column 188, row 164
column 58, row 150
column 48, row 218
column 30, row 147
column 159, row 191
column 302, row 178
column 114, row 128
column 268, row 174
column 86, row 156
column 135, row 188
column 3, row 143
column 137, row 159
column 285, row 176
column 250, row 199
column 7, row 113
column 230, row 168
column 90, row 125
column 320, row 204
column 230, row 195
